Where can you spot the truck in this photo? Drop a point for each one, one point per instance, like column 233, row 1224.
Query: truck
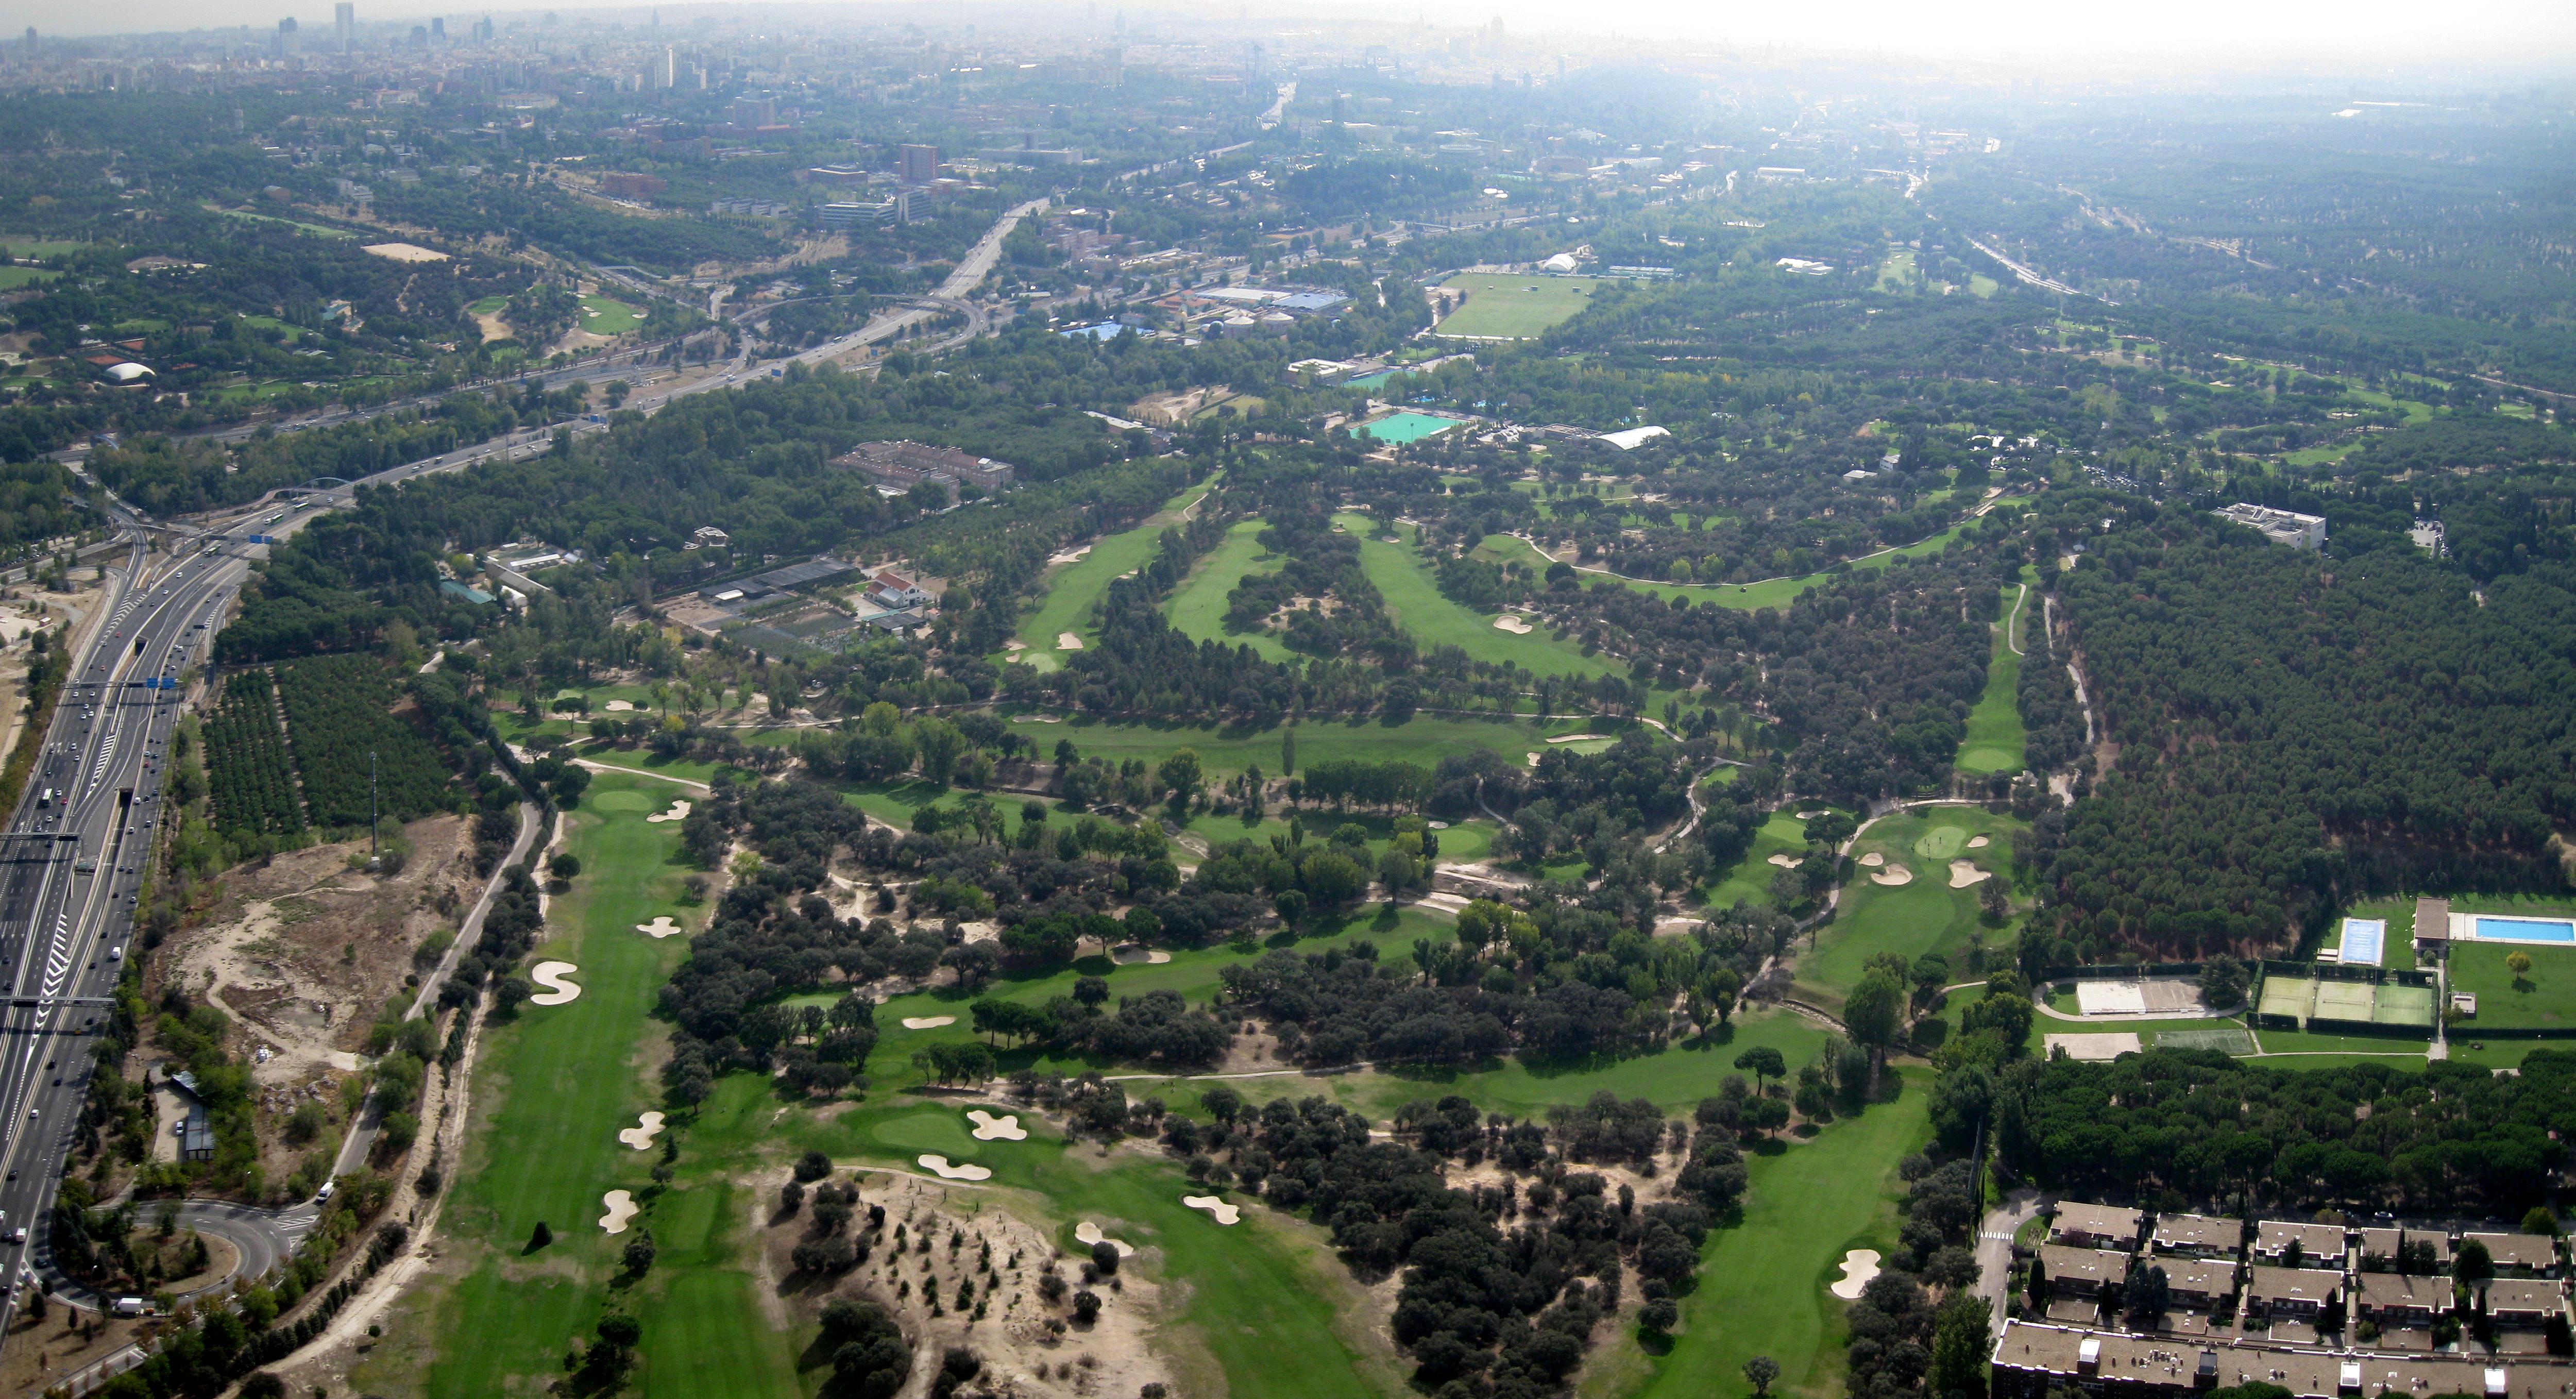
column 127, row 1306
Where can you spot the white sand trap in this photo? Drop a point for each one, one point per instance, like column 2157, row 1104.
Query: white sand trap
column 1129, row 954
column 641, row 1135
column 1224, row 1213
column 1067, row 641
column 1575, row 738
column 1783, row 861
column 679, row 812
column 927, row 1022
column 1514, row 625
column 1893, row 874
column 1088, row 1233
column 550, row 975
column 621, row 1208
column 1037, row 719
column 660, row 927
column 938, row 1166
column 1439, row 825
column 1533, row 761
column 2100, row 1048
column 619, row 707
column 1965, row 872
column 989, row 1128
column 1015, row 645
column 1979, row 842
column 1873, row 859
column 1859, row 1266
column 1069, row 555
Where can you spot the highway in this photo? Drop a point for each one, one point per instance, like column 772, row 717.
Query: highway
column 73, row 863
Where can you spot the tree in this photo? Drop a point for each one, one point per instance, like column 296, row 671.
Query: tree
column 2222, row 982
column 1760, row 1371
column 2473, row 1264
column 540, row 1237
column 1875, row 1011
column 1181, row 775
column 941, row 744
column 2149, row 1295
column 2541, row 1220
column 1959, row 1348
column 1763, row 1062
column 2519, row 963
column 1992, row 900
column 640, row 1253
column 1831, row 828
column 619, row 1331
column 1091, row 991
column 564, row 866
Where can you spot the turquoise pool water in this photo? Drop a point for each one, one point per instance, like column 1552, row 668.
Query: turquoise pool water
column 2525, row 929
column 1408, row 427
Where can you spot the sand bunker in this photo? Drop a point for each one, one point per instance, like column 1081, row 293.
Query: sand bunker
column 1783, row 861
column 641, row 1135
column 1037, row 719
column 1893, row 874
column 927, row 1022
column 1859, row 1266
column 938, row 1166
column 1069, row 555
column 989, row 1128
column 1015, row 645
column 1964, row 873
column 1514, row 625
column 1224, row 1213
column 550, row 975
column 1978, row 842
column 1128, row 954
column 1533, row 761
column 679, row 812
column 1067, row 641
column 619, row 707
column 1575, row 738
column 1873, row 859
column 660, row 927
column 1088, row 1233
column 621, row 1208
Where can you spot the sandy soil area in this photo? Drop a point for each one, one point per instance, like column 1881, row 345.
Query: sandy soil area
column 967, row 1229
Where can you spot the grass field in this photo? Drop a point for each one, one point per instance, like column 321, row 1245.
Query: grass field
column 1750, row 880
column 2545, row 996
column 1075, row 588
column 1436, row 621
column 1423, row 739
column 37, row 245
column 12, row 278
column 551, row 1092
column 1197, row 607
column 1994, row 742
column 1926, row 915
column 318, row 230
column 602, row 315
column 1762, row 1284
column 1516, row 308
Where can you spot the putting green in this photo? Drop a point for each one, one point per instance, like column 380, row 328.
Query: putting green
column 1941, row 842
column 623, row 801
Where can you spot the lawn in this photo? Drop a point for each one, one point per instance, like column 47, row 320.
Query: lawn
column 2545, row 996
column 1762, row 1283
column 1994, row 740
column 1926, row 915
column 1750, row 880
column 318, row 230
column 38, row 246
column 488, row 306
column 551, row 1092
column 602, row 315
column 1515, row 308
column 1074, row 589
column 1435, row 621
column 1197, row 607
column 12, row 278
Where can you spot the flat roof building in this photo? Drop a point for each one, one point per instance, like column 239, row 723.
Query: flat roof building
column 2379, row 1248
column 2201, row 1235
column 2081, row 1225
column 2280, row 526
column 2518, row 1255
column 2292, row 1292
column 2320, row 1245
column 2082, row 1272
column 2392, row 1300
column 2029, row 1358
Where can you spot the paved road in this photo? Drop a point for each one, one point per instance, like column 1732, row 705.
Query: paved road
column 261, row 1239
column 1994, row 1249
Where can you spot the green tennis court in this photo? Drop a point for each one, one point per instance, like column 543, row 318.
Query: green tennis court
column 1401, row 428
column 2286, row 995
column 2345, row 1000
column 2232, row 1040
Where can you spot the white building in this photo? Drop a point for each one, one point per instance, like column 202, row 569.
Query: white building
column 2280, row 526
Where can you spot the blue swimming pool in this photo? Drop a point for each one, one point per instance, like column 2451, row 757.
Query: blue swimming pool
column 2525, row 929
column 2364, row 940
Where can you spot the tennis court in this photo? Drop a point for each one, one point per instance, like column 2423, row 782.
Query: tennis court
column 2231, row 1040
column 2288, row 995
column 2364, row 940
column 1401, row 428
column 2345, row 1000
column 2404, row 1005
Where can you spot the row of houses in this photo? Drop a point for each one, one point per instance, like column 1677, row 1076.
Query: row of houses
column 2033, row 1360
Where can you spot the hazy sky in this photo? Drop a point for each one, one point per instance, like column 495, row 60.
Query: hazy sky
column 2341, row 34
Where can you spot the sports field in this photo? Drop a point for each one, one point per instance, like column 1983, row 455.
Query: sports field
column 1435, row 621
column 1074, row 589
column 1515, row 307
column 2546, row 995
column 1995, row 739
column 1197, row 608
column 1401, row 428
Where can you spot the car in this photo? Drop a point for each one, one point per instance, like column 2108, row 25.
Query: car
column 329, row 1187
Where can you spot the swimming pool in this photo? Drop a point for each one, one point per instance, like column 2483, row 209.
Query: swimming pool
column 1408, row 427
column 2492, row 929
column 2363, row 941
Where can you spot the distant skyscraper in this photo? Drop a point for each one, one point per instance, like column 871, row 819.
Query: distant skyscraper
column 31, row 41
column 920, row 164
column 344, row 19
column 438, row 28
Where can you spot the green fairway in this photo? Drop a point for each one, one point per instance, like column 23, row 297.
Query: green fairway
column 1435, row 621
column 1772, row 592
column 1750, row 880
column 1994, row 740
column 2543, row 996
column 12, row 278
column 1224, row 752
column 1762, row 1283
column 488, row 306
column 1197, row 607
column 38, row 245
column 1509, row 307
column 1074, row 589
column 602, row 315
column 552, row 1089
column 1925, row 915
